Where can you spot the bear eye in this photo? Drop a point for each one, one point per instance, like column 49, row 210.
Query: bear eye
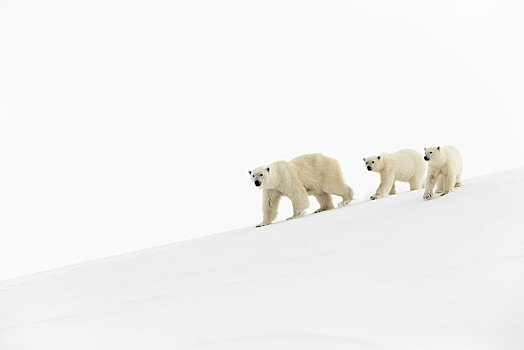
column 252, row 175
column 373, row 162
column 430, row 152
column 261, row 174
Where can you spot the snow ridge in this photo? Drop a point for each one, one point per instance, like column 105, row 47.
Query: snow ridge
column 396, row 273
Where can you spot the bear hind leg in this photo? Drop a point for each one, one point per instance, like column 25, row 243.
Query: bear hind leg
column 325, row 201
column 342, row 190
column 416, row 183
column 458, row 181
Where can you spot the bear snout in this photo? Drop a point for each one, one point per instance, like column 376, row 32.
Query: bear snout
column 369, row 168
column 257, row 183
column 426, row 158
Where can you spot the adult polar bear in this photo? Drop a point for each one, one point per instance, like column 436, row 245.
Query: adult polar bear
column 405, row 165
column 444, row 169
column 310, row 174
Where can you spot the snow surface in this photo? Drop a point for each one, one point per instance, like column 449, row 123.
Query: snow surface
column 397, row 273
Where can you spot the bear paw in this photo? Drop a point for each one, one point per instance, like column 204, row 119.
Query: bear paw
column 262, row 224
column 439, row 191
column 376, row 196
column 446, row 192
column 427, row 196
column 343, row 203
column 296, row 216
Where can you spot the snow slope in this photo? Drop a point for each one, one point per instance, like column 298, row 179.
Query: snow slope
column 397, row 273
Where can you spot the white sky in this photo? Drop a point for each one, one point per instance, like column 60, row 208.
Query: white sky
column 130, row 124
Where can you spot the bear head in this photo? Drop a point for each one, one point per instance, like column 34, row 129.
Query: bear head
column 261, row 176
column 374, row 163
column 432, row 154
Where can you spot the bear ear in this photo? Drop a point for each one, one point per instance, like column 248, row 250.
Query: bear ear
column 267, row 170
column 438, row 148
column 378, row 158
column 364, row 159
column 424, row 148
column 249, row 171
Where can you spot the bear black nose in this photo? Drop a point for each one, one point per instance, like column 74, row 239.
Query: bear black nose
column 426, row 158
column 369, row 168
column 257, row 183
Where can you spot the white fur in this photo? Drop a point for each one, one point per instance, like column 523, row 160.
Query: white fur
column 444, row 169
column 405, row 165
column 310, row 174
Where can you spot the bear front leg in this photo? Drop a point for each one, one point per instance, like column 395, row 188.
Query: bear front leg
column 440, row 185
column 270, row 201
column 300, row 202
column 393, row 190
column 386, row 183
column 449, row 183
column 430, row 184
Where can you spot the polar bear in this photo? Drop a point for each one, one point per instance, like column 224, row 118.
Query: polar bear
column 405, row 165
column 444, row 169
column 310, row 174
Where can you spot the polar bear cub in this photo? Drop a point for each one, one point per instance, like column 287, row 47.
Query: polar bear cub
column 310, row 174
column 444, row 169
column 405, row 165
